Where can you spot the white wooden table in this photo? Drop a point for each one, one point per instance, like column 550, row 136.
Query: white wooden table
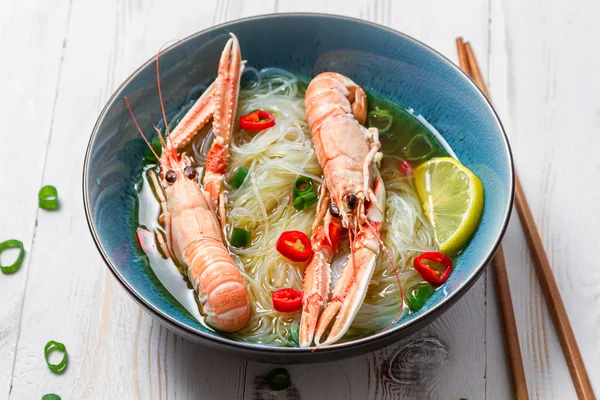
column 62, row 59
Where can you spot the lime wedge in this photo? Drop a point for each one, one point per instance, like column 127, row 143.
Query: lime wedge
column 452, row 199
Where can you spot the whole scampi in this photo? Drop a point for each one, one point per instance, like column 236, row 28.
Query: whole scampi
column 352, row 195
column 193, row 233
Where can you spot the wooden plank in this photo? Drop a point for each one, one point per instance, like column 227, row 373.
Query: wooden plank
column 113, row 345
column 497, row 367
column 543, row 56
column 444, row 360
column 448, row 358
column 31, row 38
column 115, row 350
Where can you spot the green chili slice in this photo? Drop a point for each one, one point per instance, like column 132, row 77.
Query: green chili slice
column 48, row 198
column 51, row 396
column 279, row 379
column 12, row 244
column 52, row 346
column 305, row 201
column 240, row 237
column 303, row 185
column 380, row 119
column 418, row 296
column 239, row 177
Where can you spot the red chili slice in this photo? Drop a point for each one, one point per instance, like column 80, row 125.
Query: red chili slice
column 430, row 274
column 287, row 300
column 405, row 168
column 257, row 121
column 294, row 245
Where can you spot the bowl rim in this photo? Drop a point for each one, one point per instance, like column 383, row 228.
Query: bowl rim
column 365, row 343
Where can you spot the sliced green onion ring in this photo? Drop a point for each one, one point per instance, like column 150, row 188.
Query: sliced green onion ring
column 240, row 237
column 306, row 200
column 239, row 177
column 48, row 197
column 52, row 346
column 51, row 396
column 303, row 185
column 419, row 148
column 279, row 379
column 418, row 296
column 12, row 244
column 381, row 119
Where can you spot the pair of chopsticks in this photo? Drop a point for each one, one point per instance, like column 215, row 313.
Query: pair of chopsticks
column 582, row 383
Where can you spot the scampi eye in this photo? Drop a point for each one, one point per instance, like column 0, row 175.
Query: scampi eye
column 334, row 210
column 171, row 176
column 190, row 172
column 351, row 200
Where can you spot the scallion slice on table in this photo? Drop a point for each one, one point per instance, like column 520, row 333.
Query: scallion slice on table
column 51, row 396
column 51, row 347
column 418, row 296
column 48, row 198
column 279, row 379
column 240, row 237
column 12, row 244
column 239, row 177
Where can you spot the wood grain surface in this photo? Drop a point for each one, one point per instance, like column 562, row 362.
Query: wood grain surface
column 63, row 59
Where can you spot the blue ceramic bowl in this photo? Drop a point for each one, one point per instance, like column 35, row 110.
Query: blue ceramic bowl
column 380, row 59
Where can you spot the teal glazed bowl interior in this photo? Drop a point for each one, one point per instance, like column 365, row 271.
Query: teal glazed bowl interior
column 379, row 59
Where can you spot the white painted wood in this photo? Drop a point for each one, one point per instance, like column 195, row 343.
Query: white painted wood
column 544, row 79
column 31, row 39
column 540, row 60
column 446, row 360
column 498, row 382
column 115, row 350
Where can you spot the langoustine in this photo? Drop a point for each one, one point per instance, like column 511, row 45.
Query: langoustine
column 194, row 237
column 352, row 196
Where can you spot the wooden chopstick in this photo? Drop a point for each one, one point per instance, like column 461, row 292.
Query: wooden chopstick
column 579, row 375
column 462, row 56
column 556, row 307
column 475, row 71
column 511, row 337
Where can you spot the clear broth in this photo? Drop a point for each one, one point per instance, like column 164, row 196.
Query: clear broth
column 409, row 138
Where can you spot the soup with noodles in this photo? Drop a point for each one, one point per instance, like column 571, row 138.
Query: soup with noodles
column 262, row 203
